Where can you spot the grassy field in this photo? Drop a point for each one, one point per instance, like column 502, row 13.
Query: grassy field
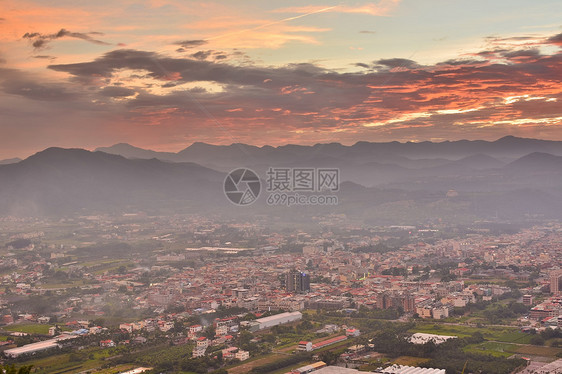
column 111, row 267
column 116, row 369
column 29, row 328
column 291, row 367
column 410, row 361
column 539, row 350
column 493, row 349
column 501, row 334
column 58, row 363
column 508, row 349
column 515, row 337
column 88, row 359
column 69, row 284
column 246, row 366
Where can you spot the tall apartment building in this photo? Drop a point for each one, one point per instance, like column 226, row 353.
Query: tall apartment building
column 556, row 282
column 297, row 281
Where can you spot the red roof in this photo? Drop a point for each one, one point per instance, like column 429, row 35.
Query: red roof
column 329, row 341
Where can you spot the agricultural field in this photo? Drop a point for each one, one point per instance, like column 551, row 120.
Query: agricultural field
column 248, row 365
column 539, row 350
column 28, row 328
column 500, row 334
column 291, row 367
column 67, row 363
column 409, row 360
column 492, row 348
column 92, row 358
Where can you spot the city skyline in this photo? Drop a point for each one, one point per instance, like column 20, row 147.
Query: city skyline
column 164, row 74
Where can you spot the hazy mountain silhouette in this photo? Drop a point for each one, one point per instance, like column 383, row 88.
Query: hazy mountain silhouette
column 10, row 161
column 408, row 155
column 129, row 151
column 536, row 162
column 74, row 181
column 478, row 161
column 57, row 181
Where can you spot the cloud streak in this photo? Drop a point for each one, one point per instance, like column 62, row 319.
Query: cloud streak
column 273, row 23
column 39, row 41
column 382, row 8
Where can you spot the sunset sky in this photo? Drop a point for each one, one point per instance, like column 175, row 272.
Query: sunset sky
column 162, row 74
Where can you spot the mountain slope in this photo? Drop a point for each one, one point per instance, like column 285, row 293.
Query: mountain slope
column 10, row 161
column 129, row 151
column 57, row 181
column 75, row 181
column 536, row 162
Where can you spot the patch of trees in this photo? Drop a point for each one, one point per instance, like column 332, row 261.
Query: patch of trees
column 200, row 364
column 499, row 312
column 329, row 357
column 19, row 243
column 304, row 326
column 395, row 271
column 246, row 343
column 37, row 304
column 364, row 312
column 222, row 312
column 454, row 361
column 551, row 333
column 540, row 339
column 377, row 248
column 11, row 369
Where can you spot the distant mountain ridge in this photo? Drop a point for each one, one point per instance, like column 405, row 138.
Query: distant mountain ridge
column 377, row 187
column 129, row 151
column 57, row 181
column 402, row 154
column 365, row 163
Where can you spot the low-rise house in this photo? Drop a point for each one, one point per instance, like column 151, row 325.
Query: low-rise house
column 242, row 355
column 107, row 343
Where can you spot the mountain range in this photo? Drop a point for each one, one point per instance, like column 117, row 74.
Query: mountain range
column 62, row 181
column 369, row 164
column 425, row 153
column 511, row 179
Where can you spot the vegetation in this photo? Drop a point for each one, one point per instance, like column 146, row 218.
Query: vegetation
column 282, row 363
column 449, row 355
column 29, row 328
column 11, row 369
